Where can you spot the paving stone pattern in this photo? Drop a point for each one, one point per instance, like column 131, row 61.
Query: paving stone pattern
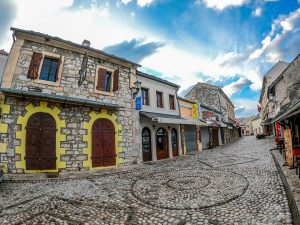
column 235, row 184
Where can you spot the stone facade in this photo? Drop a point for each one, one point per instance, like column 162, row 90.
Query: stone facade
column 214, row 98
column 74, row 117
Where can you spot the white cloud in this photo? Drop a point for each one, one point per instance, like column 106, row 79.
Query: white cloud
column 236, row 86
column 257, row 12
column 281, row 32
column 222, row 4
column 143, row 3
column 140, row 3
column 245, row 107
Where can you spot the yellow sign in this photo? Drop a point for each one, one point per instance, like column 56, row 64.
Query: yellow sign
column 289, row 147
column 195, row 111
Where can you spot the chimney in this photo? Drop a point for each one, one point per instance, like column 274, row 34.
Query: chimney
column 86, row 43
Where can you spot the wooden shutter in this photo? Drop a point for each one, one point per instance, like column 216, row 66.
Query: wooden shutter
column 101, row 79
column 58, row 67
column 116, row 80
column 33, row 72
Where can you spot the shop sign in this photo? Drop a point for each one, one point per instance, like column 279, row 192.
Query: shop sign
column 278, row 131
column 208, row 114
column 195, row 111
column 288, row 147
column 138, row 103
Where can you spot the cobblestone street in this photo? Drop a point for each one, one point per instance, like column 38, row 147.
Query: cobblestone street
column 234, row 184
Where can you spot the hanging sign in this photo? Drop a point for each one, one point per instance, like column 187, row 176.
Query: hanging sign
column 138, row 103
column 289, row 156
column 195, row 111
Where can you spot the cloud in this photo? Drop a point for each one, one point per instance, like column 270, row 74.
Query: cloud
column 283, row 39
column 245, row 107
column 236, row 86
column 140, row 3
column 220, row 5
column 257, row 12
column 134, row 50
column 8, row 12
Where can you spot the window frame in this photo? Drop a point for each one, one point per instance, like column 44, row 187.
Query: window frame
column 162, row 100
column 109, row 93
column 53, row 56
column 174, row 106
column 148, row 96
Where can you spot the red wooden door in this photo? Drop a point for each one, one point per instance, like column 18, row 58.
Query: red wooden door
column 162, row 144
column 41, row 142
column 103, row 143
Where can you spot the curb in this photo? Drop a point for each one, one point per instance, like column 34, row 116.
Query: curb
column 289, row 194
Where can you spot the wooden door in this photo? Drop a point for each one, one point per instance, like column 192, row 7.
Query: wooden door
column 162, row 147
column 146, row 144
column 215, row 137
column 41, row 142
column 103, row 143
column 174, row 142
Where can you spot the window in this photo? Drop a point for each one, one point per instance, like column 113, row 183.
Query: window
column 146, row 144
column 49, row 69
column 106, row 81
column 172, row 102
column 159, row 99
column 145, row 96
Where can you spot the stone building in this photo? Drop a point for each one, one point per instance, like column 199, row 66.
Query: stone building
column 223, row 122
column 267, row 108
column 158, row 121
column 3, row 59
column 284, row 97
column 66, row 107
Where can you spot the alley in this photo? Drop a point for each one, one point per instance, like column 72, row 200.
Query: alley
column 233, row 184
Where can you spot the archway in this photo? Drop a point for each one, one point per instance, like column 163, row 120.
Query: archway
column 103, row 143
column 146, row 144
column 41, row 142
column 162, row 144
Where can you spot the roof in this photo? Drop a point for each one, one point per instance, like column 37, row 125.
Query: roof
column 281, row 75
column 154, row 115
column 49, row 37
column 186, row 100
column 272, row 75
column 139, row 73
column 214, row 86
column 3, row 52
column 57, row 98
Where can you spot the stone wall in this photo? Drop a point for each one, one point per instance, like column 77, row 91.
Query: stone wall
column 70, row 76
column 74, row 117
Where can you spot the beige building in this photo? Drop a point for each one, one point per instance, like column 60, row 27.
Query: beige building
column 256, row 125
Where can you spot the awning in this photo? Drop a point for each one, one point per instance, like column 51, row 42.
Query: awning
column 172, row 119
column 229, row 126
column 57, row 98
column 291, row 111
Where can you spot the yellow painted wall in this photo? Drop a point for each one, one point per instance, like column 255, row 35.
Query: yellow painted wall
column 88, row 138
column 22, row 120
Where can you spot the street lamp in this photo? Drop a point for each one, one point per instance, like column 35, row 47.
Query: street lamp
column 137, row 85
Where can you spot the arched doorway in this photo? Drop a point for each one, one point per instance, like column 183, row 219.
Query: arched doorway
column 41, row 142
column 162, row 144
column 174, row 142
column 103, row 143
column 146, row 144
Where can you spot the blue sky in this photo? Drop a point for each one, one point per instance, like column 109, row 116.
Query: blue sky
column 230, row 43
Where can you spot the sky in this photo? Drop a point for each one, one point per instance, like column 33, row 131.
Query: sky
column 229, row 43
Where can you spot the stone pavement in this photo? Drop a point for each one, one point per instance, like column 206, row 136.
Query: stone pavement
column 235, row 184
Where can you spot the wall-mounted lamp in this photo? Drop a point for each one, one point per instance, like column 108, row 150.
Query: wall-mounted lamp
column 153, row 126
column 137, row 86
